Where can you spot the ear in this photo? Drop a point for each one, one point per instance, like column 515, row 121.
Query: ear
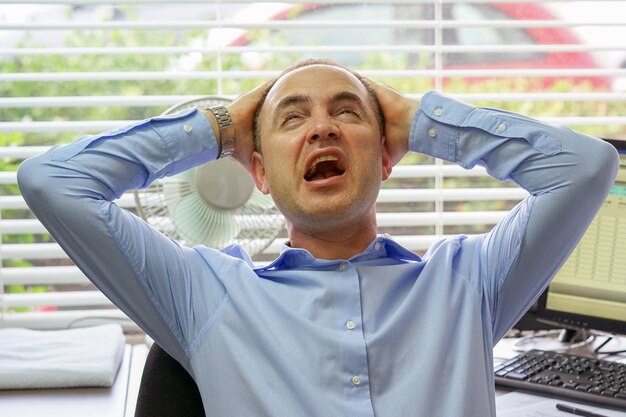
column 257, row 169
column 387, row 166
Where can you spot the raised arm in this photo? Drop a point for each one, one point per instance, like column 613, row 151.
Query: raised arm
column 71, row 190
column 568, row 175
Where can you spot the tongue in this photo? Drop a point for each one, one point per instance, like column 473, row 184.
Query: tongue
column 325, row 170
column 324, row 175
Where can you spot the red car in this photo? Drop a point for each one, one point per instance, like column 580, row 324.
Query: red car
column 400, row 43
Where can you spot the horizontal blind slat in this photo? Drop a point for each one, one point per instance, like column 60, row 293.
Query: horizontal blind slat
column 298, row 24
column 243, row 75
column 17, row 202
column 104, row 125
column 430, row 219
column 43, row 275
column 145, row 2
column 473, row 194
column 55, row 299
column 137, row 101
column 156, row 50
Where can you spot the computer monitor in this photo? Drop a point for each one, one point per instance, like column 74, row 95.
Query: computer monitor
column 589, row 292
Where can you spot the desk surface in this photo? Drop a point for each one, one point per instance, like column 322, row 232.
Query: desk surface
column 120, row 399
column 116, row 401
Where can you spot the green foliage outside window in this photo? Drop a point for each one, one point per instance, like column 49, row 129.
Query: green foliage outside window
column 153, row 62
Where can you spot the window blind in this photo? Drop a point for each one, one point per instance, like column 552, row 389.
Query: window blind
column 68, row 69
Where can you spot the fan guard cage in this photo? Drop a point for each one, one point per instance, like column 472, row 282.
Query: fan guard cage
column 177, row 207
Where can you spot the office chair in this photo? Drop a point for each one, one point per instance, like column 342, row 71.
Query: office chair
column 167, row 389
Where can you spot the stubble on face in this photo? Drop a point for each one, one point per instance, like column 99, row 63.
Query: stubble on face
column 349, row 200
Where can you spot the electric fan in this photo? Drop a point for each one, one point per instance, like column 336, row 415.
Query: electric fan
column 214, row 204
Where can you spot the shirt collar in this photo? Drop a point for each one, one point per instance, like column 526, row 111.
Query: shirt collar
column 381, row 247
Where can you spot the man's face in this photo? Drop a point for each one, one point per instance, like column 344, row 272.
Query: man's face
column 323, row 155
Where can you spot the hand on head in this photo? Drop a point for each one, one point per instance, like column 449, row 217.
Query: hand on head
column 322, row 119
column 242, row 111
column 398, row 111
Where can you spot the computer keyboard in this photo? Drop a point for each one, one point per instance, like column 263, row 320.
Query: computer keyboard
column 567, row 376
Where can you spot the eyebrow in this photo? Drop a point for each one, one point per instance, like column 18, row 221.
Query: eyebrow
column 347, row 96
column 288, row 101
column 292, row 99
column 305, row 98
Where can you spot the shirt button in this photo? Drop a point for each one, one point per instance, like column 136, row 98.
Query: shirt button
column 343, row 266
column 432, row 133
column 438, row 111
column 350, row 325
column 187, row 128
column 356, row 381
column 501, row 127
column 376, row 245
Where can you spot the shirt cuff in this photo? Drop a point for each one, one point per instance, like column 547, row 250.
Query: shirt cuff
column 188, row 136
column 434, row 130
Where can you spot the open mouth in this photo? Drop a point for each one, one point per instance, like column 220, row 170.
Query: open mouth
column 324, row 167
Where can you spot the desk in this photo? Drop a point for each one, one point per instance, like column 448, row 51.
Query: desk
column 116, row 401
column 121, row 398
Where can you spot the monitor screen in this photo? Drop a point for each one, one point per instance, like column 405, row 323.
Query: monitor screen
column 590, row 289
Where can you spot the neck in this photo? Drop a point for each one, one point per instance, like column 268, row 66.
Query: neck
column 338, row 243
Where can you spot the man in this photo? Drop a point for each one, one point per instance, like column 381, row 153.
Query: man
column 343, row 322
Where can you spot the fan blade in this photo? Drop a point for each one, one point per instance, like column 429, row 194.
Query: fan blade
column 198, row 223
column 259, row 200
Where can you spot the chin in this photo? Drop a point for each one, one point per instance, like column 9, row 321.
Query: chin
column 331, row 213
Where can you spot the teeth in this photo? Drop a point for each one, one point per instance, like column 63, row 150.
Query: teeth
column 322, row 159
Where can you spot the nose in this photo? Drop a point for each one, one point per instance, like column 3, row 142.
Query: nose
column 323, row 128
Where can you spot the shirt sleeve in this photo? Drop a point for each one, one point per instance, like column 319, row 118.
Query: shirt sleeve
column 71, row 189
column 567, row 174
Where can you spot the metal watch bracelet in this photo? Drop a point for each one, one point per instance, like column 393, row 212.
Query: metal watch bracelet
column 226, row 130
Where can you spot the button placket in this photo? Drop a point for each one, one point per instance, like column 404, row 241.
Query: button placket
column 354, row 368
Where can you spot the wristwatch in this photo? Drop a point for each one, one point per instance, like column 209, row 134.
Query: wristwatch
column 227, row 130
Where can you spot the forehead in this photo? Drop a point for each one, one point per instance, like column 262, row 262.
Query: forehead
column 316, row 81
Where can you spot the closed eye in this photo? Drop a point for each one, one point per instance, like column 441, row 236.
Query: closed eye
column 290, row 117
column 348, row 111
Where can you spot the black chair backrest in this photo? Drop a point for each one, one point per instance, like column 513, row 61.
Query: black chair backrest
column 167, row 389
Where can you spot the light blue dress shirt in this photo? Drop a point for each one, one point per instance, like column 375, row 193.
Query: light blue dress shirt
column 385, row 333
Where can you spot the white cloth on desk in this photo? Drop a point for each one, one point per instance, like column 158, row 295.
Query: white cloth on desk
column 82, row 357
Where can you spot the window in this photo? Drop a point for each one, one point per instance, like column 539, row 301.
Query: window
column 86, row 66
column 485, row 35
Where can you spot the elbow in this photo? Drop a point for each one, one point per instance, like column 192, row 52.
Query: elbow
column 32, row 180
column 595, row 160
column 605, row 163
column 595, row 173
